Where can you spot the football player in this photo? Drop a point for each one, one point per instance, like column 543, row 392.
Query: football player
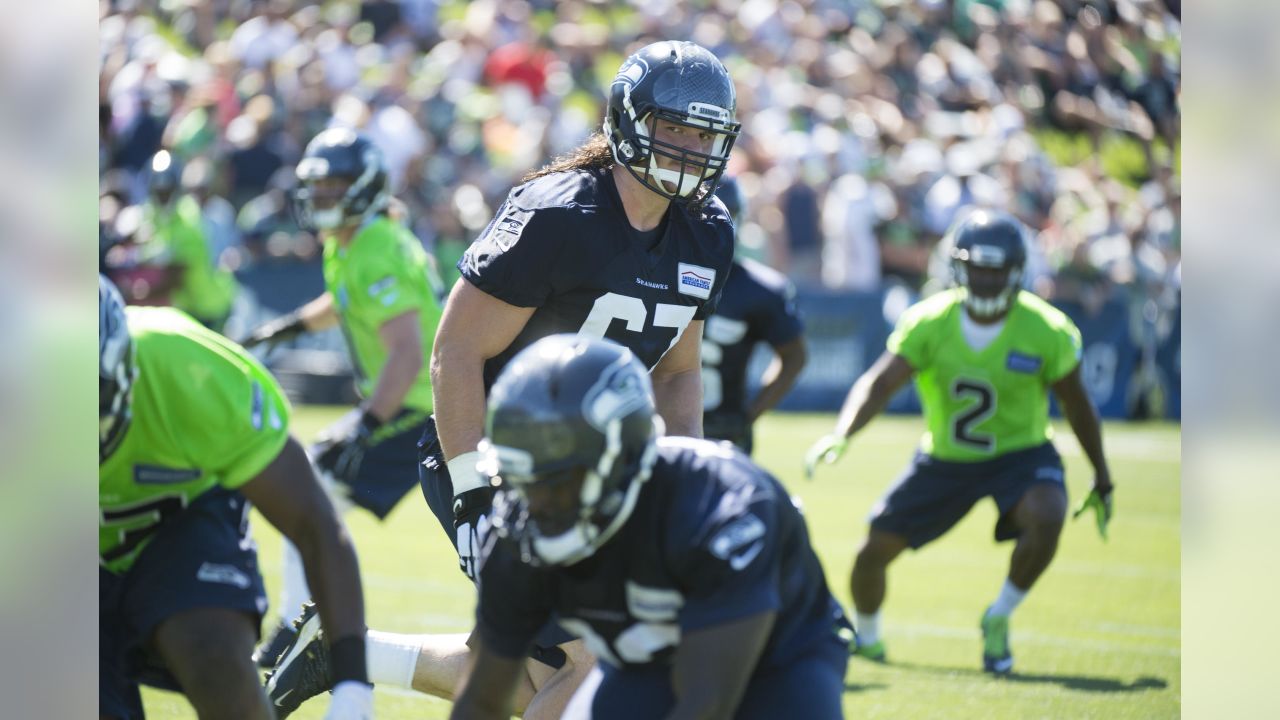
column 191, row 430
column 984, row 355
column 384, row 290
column 197, row 284
column 623, row 239
column 758, row 306
column 685, row 567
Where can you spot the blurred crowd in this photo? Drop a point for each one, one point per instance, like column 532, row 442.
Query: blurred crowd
column 867, row 124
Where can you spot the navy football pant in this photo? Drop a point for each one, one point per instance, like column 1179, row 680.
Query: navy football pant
column 933, row 495
column 809, row 687
column 437, row 488
column 201, row 558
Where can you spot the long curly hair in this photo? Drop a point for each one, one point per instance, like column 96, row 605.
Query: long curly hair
column 592, row 154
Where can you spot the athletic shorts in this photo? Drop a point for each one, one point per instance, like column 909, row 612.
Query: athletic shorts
column 933, row 495
column 202, row 558
column 388, row 469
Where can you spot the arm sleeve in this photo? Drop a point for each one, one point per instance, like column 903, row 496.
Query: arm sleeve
column 383, row 287
column 517, row 257
column 731, row 571
column 514, row 601
column 909, row 340
column 1067, row 351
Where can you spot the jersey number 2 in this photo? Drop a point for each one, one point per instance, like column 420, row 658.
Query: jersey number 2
column 612, row 306
column 963, row 424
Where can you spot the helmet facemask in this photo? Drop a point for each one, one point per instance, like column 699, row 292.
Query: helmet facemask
column 989, row 280
column 116, row 370
column 365, row 194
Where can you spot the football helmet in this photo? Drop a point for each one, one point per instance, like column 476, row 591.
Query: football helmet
column 164, row 175
column 115, row 368
column 570, row 438
column 678, row 83
column 988, row 253
column 340, row 153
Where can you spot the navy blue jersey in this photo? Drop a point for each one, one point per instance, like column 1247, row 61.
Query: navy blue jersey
column 562, row 244
column 713, row 539
column 758, row 305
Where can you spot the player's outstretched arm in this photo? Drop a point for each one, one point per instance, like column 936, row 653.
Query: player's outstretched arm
column 1083, row 418
column 677, row 384
column 288, row 495
column 319, row 314
column 791, row 357
column 866, row 399
column 712, row 666
column 490, row 686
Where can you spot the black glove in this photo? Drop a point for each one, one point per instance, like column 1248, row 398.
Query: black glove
column 341, row 455
column 278, row 330
column 470, row 523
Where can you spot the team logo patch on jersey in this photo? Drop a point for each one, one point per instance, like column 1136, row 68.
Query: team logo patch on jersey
column 1018, row 362
column 695, row 280
column 223, row 575
column 156, row 475
column 508, row 228
column 739, row 542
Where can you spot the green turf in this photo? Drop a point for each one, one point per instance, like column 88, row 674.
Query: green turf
column 1099, row 636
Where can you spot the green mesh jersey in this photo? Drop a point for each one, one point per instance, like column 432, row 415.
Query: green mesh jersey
column 206, row 290
column 978, row 405
column 382, row 273
column 205, row 413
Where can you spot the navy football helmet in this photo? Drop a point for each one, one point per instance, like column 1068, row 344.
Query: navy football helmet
column 570, row 438
column 164, row 175
column 115, row 368
column 342, row 154
column 678, row 83
column 988, row 253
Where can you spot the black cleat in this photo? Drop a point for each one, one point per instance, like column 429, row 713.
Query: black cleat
column 272, row 649
column 303, row 670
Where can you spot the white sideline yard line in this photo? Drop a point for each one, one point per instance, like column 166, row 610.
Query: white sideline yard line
column 1029, row 637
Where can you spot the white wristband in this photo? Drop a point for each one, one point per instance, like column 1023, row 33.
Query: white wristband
column 463, row 473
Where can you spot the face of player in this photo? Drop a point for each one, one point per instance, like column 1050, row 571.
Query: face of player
column 681, row 178
column 987, row 282
column 327, row 192
column 554, row 503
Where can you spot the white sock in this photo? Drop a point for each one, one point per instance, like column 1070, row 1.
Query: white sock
column 1008, row 599
column 868, row 627
column 392, row 658
column 293, row 591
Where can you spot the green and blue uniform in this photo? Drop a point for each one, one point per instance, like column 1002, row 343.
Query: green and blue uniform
column 206, row 419
column 206, row 290
column 986, row 412
column 381, row 274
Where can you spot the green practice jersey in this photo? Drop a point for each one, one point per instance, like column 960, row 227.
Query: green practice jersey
column 206, row 290
column 382, row 273
column 978, row 405
column 205, row 413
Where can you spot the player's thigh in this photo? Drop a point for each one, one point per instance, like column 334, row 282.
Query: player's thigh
column 1042, row 506
column 633, row 694
column 810, row 687
column 118, row 695
column 927, row 500
column 433, row 477
column 208, row 646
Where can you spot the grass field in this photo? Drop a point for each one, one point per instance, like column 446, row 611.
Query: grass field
column 1098, row 637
